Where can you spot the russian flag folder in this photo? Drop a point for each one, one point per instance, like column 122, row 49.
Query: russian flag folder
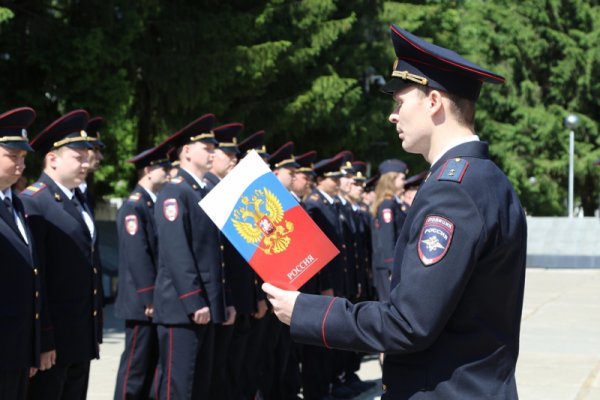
column 267, row 225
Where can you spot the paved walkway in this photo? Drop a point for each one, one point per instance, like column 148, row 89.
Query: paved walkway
column 560, row 341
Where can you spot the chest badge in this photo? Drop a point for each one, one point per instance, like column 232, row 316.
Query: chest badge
column 435, row 239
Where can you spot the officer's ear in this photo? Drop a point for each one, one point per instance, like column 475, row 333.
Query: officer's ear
column 51, row 158
column 434, row 101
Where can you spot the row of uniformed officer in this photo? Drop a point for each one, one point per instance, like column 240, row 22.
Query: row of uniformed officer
column 67, row 247
column 20, row 285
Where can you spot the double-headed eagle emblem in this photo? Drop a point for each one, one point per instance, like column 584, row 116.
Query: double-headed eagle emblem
column 433, row 243
column 261, row 216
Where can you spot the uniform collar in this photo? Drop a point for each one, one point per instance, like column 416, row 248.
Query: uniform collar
column 194, row 177
column 327, row 197
column 470, row 149
column 7, row 193
column 149, row 192
column 69, row 193
column 457, row 142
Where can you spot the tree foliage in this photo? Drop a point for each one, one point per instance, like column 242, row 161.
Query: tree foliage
column 301, row 70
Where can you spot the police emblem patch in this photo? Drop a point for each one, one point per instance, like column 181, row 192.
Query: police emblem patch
column 435, row 239
column 170, row 209
column 131, row 224
column 387, row 215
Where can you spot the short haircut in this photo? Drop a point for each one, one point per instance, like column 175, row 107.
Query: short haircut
column 462, row 108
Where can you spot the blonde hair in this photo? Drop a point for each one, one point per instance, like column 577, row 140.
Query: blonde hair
column 385, row 189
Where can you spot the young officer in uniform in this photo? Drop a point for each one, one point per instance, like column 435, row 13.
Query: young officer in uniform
column 252, row 364
column 67, row 248
column 388, row 222
column 225, row 159
column 138, row 262
column 20, row 305
column 95, row 156
column 451, row 327
column 189, row 296
column 304, row 176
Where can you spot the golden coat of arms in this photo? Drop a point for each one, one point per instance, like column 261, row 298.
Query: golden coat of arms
column 261, row 216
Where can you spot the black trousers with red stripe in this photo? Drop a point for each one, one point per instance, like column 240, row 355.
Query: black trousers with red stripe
column 138, row 375
column 186, row 358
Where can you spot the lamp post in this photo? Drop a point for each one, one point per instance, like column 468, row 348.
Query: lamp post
column 571, row 122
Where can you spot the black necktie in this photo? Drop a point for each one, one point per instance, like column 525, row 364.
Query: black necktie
column 9, row 205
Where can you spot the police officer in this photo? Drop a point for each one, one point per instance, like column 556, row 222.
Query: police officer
column 225, row 159
column 276, row 382
column 248, row 369
column 304, row 176
column 95, row 156
column 317, row 363
column 388, row 221
column 138, row 262
column 189, row 293
column 20, row 283
column 451, row 327
column 67, row 247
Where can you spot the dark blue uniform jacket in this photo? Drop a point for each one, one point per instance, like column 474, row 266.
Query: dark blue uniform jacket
column 190, row 265
column 451, row 328
column 20, row 304
column 138, row 255
column 72, row 275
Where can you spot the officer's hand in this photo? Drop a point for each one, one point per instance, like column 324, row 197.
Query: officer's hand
column 282, row 300
column 327, row 292
column 149, row 311
column 262, row 308
column 230, row 315
column 32, row 371
column 47, row 360
column 202, row 316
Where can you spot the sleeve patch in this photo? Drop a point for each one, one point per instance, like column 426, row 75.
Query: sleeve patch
column 453, row 170
column 131, row 224
column 387, row 215
column 435, row 239
column 34, row 189
column 170, row 209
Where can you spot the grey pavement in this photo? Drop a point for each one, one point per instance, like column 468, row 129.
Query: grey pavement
column 560, row 341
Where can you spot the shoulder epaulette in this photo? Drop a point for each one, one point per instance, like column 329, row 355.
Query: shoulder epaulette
column 177, row 180
column 34, row 189
column 453, row 170
column 313, row 197
column 135, row 197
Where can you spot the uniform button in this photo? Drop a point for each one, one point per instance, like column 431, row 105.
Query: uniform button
column 343, row 246
column 222, row 247
column 345, row 269
column 37, row 294
column 95, row 313
column 37, row 316
column 384, row 387
column 223, row 281
column 256, row 281
column 95, row 270
column 223, row 264
column 95, row 291
column 35, row 271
